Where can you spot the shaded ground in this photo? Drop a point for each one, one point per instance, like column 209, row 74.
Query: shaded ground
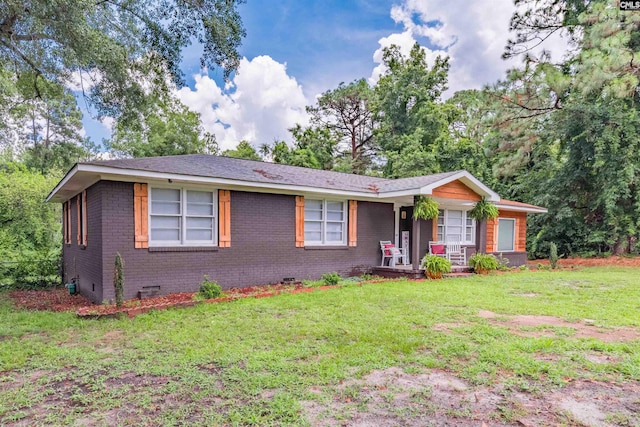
column 50, row 299
column 393, row 397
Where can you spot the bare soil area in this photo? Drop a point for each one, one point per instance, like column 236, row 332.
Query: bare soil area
column 392, row 397
column 530, row 325
column 617, row 261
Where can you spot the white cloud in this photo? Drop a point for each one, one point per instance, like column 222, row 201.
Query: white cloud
column 472, row 34
column 258, row 105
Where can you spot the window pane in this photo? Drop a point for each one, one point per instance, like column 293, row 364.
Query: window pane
column 165, row 194
column 165, row 234
column 506, row 233
column 334, row 226
column 334, row 237
column 335, row 206
column 312, row 236
column 165, row 222
column 334, row 216
column 201, row 235
column 165, row 208
column 199, row 209
column 199, row 196
column 199, row 223
column 313, row 215
column 312, row 226
column 313, row 204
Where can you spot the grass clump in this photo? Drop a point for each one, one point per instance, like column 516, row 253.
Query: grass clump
column 209, row 289
column 331, row 279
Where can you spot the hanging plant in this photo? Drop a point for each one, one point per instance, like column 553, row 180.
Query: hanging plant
column 483, row 210
column 425, row 208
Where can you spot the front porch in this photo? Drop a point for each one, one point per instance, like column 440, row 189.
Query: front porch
column 407, row 271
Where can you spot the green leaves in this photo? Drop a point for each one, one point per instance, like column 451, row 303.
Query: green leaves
column 124, row 49
column 483, row 210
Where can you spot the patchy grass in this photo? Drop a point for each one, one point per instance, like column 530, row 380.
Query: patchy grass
column 371, row 352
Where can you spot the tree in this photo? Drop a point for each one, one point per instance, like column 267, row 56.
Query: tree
column 119, row 50
column 411, row 121
column 42, row 123
column 170, row 129
column 346, row 115
column 30, row 232
column 244, row 150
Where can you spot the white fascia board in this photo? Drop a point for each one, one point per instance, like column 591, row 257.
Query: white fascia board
column 469, row 180
column 61, row 184
column 135, row 175
column 521, row 208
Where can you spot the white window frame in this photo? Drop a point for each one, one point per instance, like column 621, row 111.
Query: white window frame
column 324, row 222
column 465, row 217
column 513, row 243
column 183, row 218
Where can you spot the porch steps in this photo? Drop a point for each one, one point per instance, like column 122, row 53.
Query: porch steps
column 460, row 271
column 409, row 272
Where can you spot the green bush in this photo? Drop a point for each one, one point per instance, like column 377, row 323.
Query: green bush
column 503, row 263
column 483, row 263
column 118, row 279
column 331, row 279
column 435, row 266
column 553, row 255
column 209, row 289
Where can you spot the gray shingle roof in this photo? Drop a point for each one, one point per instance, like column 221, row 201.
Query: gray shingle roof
column 247, row 170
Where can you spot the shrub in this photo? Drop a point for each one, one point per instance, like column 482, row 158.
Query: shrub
column 483, row 263
column 118, row 279
column 503, row 263
column 435, row 266
column 553, row 255
column 331, row 279
column 209, row 289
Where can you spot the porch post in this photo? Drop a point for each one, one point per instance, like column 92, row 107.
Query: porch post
column 481, row 236
column 415, row 240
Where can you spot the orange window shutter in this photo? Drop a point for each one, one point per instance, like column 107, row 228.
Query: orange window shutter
column 299, row 222
column 68, row 236
column 79, row 219
column 353, row 223
column 224, row 221
column 84, row 218
column 64, row 222
column 141, row 215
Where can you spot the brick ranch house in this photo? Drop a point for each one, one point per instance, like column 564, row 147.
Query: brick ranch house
column 241, row 222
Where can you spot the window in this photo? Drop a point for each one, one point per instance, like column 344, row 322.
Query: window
column 324, row 222
column 182, row 217
column 506, row 234
column 454, row 225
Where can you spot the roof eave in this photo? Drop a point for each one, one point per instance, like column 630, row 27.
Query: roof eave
column 527, row 209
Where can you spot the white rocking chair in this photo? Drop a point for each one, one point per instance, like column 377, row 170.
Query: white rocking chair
column 456, row 253
column 390, row 252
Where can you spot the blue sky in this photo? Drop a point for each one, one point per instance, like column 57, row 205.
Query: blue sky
column 295, row 50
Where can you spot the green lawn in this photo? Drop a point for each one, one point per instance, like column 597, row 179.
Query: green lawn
column 267, row 361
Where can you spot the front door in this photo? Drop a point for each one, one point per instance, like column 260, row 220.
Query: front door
column 405, row 227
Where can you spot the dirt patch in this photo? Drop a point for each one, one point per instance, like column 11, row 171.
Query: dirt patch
column 531, row 325
column 51, row 299
column 393, row 397
column 618, row 261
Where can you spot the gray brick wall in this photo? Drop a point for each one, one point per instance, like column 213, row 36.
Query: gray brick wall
column 85, row 263
column 262, row 246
